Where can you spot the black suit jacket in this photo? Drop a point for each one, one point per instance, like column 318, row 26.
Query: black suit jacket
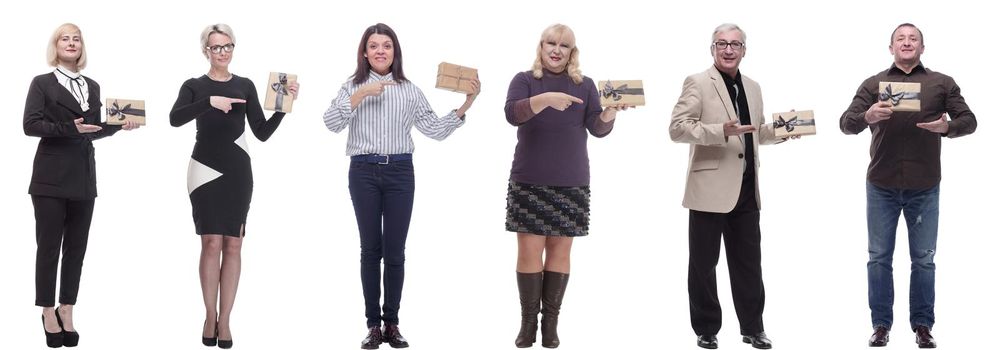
column 64, row 161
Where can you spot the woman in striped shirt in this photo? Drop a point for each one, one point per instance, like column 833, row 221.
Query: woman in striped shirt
column 380, row 107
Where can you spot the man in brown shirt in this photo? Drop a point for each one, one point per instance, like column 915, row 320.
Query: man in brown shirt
column 904, row 175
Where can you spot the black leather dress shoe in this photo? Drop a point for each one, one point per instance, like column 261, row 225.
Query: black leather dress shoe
column 708, row 341
column 924, row 338
column 392, row 336
column 373, row 339
column 880, row 338
column 758, row 341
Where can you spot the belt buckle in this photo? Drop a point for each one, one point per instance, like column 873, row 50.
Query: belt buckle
column 386, row 159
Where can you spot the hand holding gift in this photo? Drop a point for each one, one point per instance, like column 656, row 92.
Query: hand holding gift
column 279, row 86
column 122, row 111
column 475, row 85
column 793, row 124
column 879, row 111
column 621, row 93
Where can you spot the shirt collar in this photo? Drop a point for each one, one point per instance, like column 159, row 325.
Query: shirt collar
column 727, row 79
column 378, row 77
column 69, row 73
column 918, row 68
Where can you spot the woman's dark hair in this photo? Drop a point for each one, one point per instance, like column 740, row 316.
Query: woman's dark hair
column 361, row 74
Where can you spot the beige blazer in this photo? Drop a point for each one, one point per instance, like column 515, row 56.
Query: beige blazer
column 715, row 162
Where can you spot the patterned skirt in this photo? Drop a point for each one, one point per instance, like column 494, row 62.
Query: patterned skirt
column 548, row 210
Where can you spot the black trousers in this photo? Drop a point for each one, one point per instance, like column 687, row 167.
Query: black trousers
column 383, row 202
column 740, row 229
column 60, row 224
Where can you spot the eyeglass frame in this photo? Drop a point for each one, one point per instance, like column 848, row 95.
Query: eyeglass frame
column 729, row 44
column 217, row 49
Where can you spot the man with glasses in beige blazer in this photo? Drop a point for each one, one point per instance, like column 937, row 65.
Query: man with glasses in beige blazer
column 720, row 114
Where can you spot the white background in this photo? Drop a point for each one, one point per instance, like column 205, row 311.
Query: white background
column 300, row 286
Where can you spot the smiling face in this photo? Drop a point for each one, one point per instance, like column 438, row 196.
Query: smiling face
column 69, row 47
column 907, row 45
column 222, row 58
column 380, row 50
column 727, row 59
column 556, row 50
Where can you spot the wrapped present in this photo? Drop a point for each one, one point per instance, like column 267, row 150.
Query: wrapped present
column 795, row 123
column 903, row 96
column 621, row 92
column 120, row 111
column 278, row 98
column 456, row 78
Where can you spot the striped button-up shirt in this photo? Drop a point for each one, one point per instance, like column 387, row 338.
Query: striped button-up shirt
column 381, row 124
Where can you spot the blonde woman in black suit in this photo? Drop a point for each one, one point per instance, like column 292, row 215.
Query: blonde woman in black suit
column 63, row 109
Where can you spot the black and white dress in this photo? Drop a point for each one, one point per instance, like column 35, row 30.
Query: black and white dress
column 220, row 180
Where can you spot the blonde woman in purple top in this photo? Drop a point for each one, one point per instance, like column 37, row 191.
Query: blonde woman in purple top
column 554, row 107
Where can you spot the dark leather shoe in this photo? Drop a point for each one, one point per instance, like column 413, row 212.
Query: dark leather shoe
column 880, row 338
column 924, row 338
column 708, row 341
column 373, row 339
column 758, row 341
column 391, row 335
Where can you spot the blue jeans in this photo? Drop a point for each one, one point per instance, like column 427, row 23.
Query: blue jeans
column 920, row 209
column 383, row 201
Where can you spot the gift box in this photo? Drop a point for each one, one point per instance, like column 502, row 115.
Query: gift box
column 278, row 98
column 795, row 123
column 456, row 78
column 121, row 110
column 903, row 96
column 621, row 92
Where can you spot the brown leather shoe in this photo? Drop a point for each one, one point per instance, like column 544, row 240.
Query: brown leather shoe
column 391, row 335
column 924, row 338
column 553, row 289
column 880, row 338
column 374, row 338
column 529, row 286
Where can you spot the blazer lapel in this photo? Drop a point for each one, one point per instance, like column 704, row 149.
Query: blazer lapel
column 64, row 97
column 720, row 88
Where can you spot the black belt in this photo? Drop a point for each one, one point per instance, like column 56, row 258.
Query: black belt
column 381, row 158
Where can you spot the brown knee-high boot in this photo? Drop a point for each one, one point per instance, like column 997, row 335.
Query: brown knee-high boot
column 529, row 285
column 553, row 289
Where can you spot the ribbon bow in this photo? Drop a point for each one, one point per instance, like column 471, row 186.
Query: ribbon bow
column 895, row 98
column 609, row 91
column 790, row 124
column 280, row 89
column 121, row 112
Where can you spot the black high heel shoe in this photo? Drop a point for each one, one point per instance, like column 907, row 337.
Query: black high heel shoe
column 223, row 344
column 211, row 341
column 52, row 340
column 70, row 339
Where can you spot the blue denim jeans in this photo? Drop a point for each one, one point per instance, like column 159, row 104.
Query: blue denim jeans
column 383, row 202
column 920, row 209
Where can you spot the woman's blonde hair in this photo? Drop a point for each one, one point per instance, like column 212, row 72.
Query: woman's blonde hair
column 559, row 31
column 215, row 28
column 52, row 55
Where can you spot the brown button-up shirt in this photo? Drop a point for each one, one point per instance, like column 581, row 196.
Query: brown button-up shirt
column 903, row 155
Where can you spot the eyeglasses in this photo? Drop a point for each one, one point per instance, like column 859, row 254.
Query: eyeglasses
column 721, row 45
column 217, row 49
